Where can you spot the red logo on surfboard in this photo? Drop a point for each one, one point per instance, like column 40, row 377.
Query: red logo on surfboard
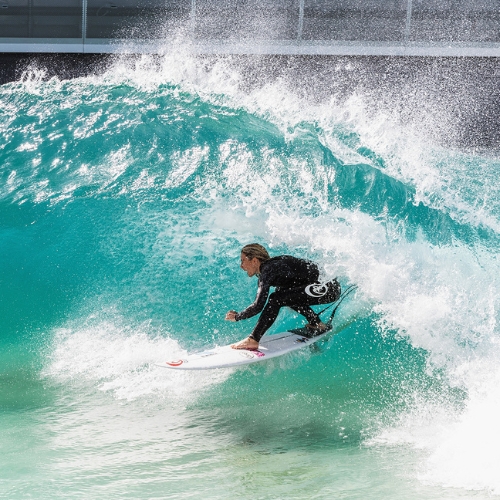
column 175, row 363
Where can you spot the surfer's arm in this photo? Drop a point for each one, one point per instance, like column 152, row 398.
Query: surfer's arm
column 257, row 306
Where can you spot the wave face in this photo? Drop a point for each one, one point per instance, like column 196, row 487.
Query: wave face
column 125, row 199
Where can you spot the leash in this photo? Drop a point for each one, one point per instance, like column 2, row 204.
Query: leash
column 343, row 295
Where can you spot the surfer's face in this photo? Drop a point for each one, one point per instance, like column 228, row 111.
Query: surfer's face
column 250, row 266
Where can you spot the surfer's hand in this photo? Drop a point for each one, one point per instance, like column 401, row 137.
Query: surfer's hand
column 231, row 315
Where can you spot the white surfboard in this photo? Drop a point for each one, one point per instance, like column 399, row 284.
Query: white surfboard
column 270, row 347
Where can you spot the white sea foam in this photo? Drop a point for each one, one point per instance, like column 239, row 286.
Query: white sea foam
column 123, row 360
column 466, row 453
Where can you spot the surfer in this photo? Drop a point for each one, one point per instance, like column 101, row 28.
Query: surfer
column 296, row 286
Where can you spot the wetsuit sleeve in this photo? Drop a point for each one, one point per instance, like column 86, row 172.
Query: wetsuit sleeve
column 258, row 305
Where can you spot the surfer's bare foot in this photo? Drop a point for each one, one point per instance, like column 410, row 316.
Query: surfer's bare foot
column 248, row 343
column 318, row 327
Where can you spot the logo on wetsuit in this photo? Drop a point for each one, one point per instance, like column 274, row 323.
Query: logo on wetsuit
column 317, row 289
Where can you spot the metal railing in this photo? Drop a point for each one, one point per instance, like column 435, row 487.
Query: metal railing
column 386, row 27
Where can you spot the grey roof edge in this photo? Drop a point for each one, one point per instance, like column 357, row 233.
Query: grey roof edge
column 252, row 47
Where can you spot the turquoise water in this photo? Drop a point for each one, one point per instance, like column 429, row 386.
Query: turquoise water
column 125, row 199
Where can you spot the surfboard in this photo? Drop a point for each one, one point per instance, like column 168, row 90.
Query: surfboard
column 270, row 347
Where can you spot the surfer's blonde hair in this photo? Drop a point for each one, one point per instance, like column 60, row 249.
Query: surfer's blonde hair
column 255, row 250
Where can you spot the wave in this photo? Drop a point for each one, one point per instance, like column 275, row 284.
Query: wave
column 136, row 189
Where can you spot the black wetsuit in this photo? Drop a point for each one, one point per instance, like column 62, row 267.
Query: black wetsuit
column 297, row 287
